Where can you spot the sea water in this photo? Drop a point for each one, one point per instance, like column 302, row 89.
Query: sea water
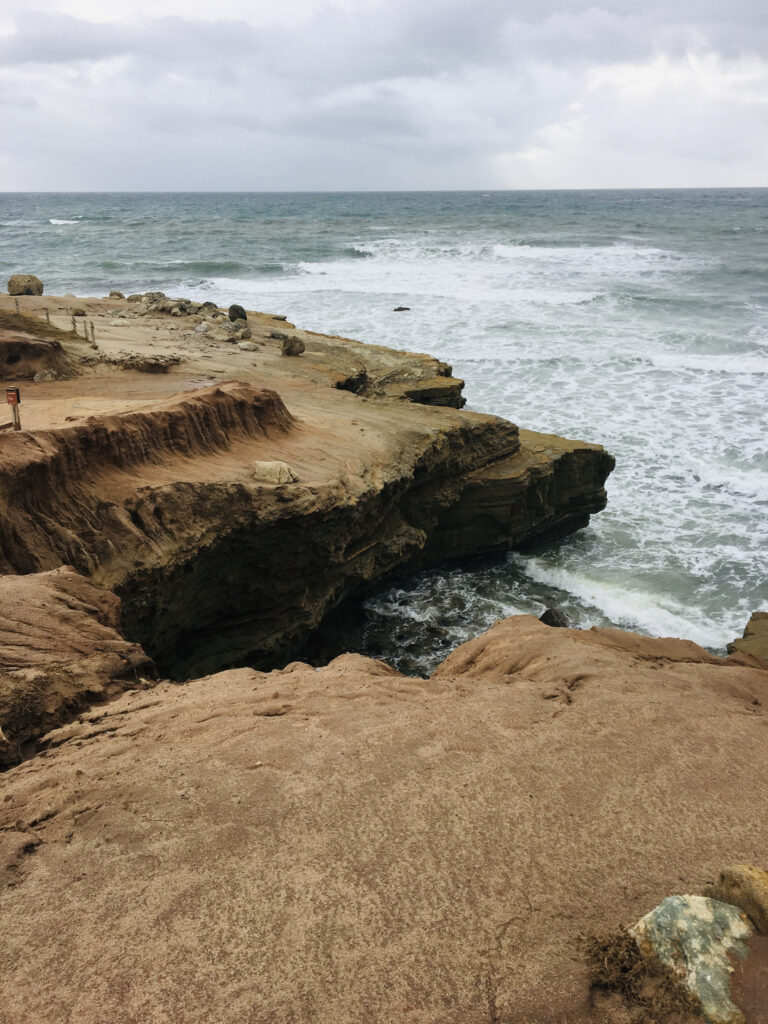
column 636, row 319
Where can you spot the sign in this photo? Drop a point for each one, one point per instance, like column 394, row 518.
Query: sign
column 13, row 396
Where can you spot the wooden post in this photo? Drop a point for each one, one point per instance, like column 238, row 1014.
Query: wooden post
column 93, row 334
column 13, row 398
column 47, row 317
column 17, row 304
column 74, row 325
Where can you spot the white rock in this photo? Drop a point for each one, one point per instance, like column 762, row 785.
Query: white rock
column 202, row 328
column 248, row 346
column 273, row 472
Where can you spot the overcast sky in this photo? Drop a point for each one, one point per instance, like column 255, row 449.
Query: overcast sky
column 338, row 94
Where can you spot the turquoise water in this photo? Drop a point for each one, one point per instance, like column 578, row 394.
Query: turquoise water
column 638, row 319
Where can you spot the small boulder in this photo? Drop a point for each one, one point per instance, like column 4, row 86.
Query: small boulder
column 150, row 297
column 208, row 308
column 696, row 938
column 202, row 328
column 273, row 472
column 237, row 313
column 79, row 312
column 42, row 376
column 555, row 617
column 746, row 887
column 136, row 297
column 292, row 346
column 115, row 295
column 244, row 332
column 248, row 346
column 25, row 284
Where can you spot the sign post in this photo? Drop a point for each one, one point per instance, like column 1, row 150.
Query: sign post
column 13, row 398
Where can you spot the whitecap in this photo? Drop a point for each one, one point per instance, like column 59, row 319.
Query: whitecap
column 55, row 220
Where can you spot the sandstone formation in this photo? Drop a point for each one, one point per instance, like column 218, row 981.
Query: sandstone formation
column 60, row 650
column 744, row 886
column 24, row 284
column 755, row 639
column 352, row 845
column 143, row 481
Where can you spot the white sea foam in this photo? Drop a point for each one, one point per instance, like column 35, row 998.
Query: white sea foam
column 55, row 220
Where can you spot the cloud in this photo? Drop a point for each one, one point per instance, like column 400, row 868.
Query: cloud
column 330, row 94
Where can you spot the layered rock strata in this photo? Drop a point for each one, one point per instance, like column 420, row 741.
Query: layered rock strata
column 352, row 845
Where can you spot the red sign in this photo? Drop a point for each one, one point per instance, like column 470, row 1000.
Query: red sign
column 12, row 396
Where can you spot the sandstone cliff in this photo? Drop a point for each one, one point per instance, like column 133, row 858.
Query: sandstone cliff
column 144, row 483
column 351, row 845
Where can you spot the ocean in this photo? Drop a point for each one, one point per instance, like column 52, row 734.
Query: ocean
column 636, row 319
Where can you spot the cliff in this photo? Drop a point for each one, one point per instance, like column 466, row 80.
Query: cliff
column 351, row 845
column 145, row 482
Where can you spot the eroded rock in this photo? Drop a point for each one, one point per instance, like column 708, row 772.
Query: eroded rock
column 755, row 639
column 273, row 472
column 745, row 886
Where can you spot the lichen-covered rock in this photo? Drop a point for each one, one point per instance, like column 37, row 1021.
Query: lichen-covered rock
column 273, row 472
column 745, row 887
column 25, row 284
column 694, row 936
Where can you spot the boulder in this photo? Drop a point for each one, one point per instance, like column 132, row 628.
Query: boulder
column 237, row 313
column 273, row 472
column 208, row 308
column 248, row 346
column 42, row 376
column 114, row 294
column 695, row 938
column 78, row 312
column 202, row 328
column 150, row 297
column 136, row 297
column 555, row 617
column 244, row 333
column 292, row 346
column 745, row 887
column 25, row 284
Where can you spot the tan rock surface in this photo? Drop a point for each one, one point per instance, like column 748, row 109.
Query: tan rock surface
column 60, row 650
column 755, row 639
column 350, row 845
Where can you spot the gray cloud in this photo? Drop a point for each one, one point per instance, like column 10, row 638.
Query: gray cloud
column 439, row 95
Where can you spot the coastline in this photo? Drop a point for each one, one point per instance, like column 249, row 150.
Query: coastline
column 363, row 843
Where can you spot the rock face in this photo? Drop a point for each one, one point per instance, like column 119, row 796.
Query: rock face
column 60, row 650
column 25, row 284
column 755, row 639
column 351, row 845
column 696, row 937
column 162, row 508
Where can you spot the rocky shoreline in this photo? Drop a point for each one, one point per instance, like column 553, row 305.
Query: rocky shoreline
column 341, row 844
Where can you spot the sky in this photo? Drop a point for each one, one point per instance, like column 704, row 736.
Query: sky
column 393, row 94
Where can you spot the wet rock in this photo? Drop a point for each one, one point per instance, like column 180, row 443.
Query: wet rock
column 746, row 887
column 24, row 284
column 237, row 313
column 292, row 346
column 555, row 617
column 273, row 472
column 755, row 639
column 115, row 295
column 694, row 937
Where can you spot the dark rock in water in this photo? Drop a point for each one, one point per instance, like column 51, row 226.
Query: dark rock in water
column 555, row 617
column 115, row 295
column 401, row 309
column 25, row 284
column 755, row 639
column 237, row 313
column 292, row 346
